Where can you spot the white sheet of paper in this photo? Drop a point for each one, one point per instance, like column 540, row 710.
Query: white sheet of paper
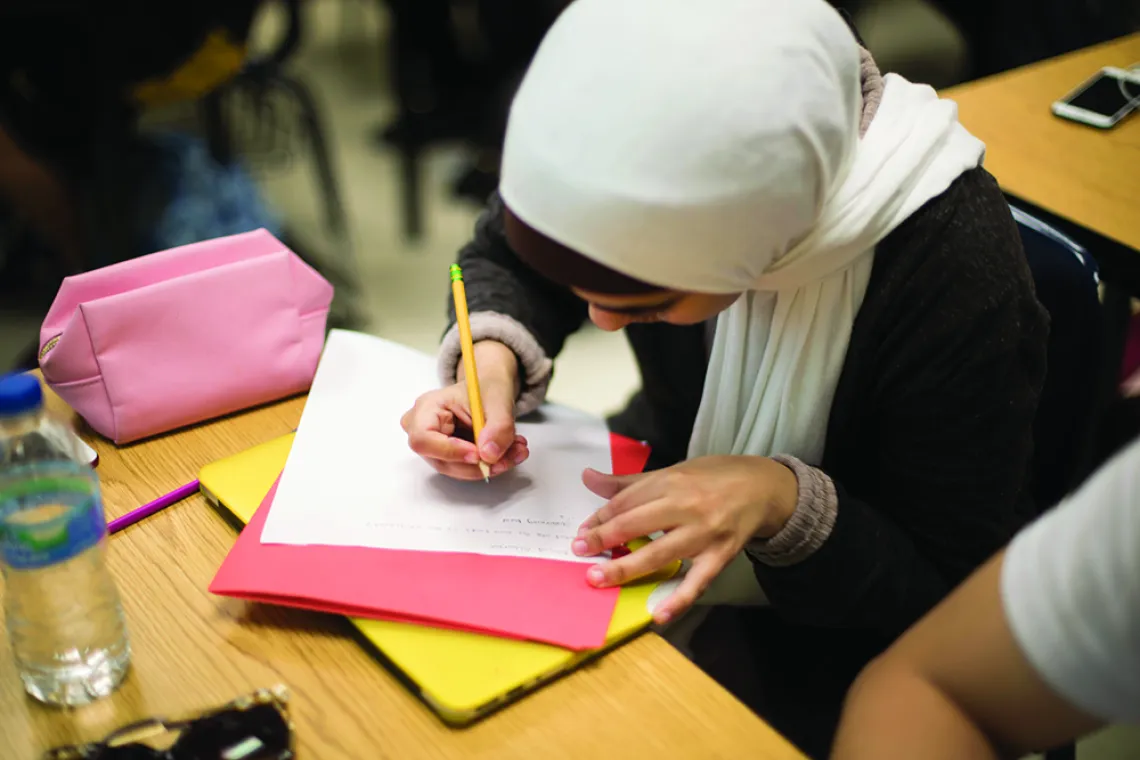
column 351, row 479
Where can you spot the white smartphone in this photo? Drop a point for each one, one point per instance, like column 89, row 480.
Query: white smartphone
column 1103, row 100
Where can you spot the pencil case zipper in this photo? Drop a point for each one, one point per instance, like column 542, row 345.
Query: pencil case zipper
column 52, row 342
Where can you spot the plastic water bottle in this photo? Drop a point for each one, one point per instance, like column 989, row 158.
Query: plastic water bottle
column 61, row 606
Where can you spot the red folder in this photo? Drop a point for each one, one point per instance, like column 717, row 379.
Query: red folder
column 515, row 597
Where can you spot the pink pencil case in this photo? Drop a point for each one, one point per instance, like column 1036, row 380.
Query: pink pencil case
column 184, row 335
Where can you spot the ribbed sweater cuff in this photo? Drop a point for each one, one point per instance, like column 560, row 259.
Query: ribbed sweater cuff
column 490, row 325
column 817, row 504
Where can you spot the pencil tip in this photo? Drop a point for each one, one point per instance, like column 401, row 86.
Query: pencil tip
column 487, row 481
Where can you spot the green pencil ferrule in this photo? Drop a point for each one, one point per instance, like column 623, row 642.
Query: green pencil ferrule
column 456, row 273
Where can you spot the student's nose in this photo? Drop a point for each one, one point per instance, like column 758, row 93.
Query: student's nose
column 608, row 320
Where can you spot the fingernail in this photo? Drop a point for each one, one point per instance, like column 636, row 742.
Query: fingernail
column 471, row 457
column 579, row 546
column 595, row 576
column 520, row 457
column 664, row 617
column 492, row 451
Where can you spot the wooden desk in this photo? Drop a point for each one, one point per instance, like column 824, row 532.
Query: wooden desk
column 194, row 650
column 1088, row 176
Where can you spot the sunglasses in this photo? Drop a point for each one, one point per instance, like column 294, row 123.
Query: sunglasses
column 253, row 727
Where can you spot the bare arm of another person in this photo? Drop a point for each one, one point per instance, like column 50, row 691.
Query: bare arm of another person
column 1039, row 647
column 40, row 198
column 956, row 686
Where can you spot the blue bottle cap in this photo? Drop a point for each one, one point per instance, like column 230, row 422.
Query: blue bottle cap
column 19, row 394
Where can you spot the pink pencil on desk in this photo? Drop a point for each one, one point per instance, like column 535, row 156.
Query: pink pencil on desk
column 159, row 504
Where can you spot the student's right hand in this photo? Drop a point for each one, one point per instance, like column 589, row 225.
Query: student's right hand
column 439, row 425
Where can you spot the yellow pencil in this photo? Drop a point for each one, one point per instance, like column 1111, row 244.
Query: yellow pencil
column 463, row 319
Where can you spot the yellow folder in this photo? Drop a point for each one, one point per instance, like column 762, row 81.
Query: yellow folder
column 461, row 676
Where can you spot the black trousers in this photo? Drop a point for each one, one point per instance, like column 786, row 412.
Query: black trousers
column 794, row 677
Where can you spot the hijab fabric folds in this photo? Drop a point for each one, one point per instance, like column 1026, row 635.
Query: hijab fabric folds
column 714, row 147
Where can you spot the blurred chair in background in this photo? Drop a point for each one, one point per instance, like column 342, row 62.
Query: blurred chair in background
column 246, row 118
column 74, row 82
column 455, row 65
column 1066, row 278
column 264, row 119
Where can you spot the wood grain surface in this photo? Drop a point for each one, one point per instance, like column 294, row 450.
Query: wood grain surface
column 1089, row 176
column 193, row 650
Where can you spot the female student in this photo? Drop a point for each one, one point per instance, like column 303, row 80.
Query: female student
column 840, row 348
column 1040, row 646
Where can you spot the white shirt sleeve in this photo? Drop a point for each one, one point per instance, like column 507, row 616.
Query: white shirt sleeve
column 1071, row 592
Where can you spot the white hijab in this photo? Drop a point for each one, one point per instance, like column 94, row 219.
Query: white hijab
column 713, row 146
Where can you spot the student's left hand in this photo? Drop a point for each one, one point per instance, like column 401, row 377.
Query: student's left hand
column 709, row 508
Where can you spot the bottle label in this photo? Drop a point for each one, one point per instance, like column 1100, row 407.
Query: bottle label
column 47, row 521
